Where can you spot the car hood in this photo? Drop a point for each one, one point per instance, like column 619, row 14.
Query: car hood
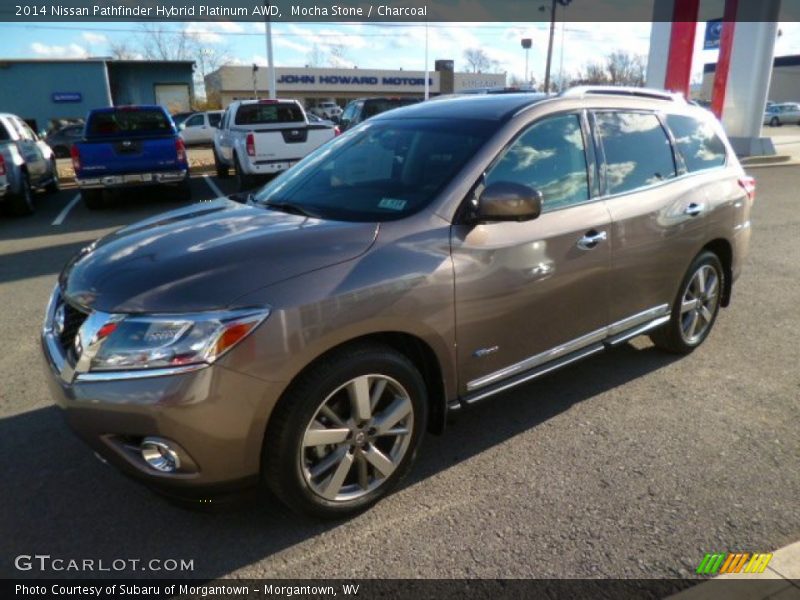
column 205, row 256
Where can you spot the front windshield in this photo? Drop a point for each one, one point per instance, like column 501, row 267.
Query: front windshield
column 381, row 171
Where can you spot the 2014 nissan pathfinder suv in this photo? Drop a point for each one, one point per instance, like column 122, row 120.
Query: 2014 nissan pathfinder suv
column 432, row 257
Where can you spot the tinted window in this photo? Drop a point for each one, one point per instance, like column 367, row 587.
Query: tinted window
column 214, row 119
column 380, row 105
column 4, row 132
column 195, row 121
column 550, row 158
column 700, row 147
column 638, row 152
column 129, row 121
column 263, row 114
column 379, row 172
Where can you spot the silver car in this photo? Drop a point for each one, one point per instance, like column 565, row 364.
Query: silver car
column 29, row 165
column 779, row 114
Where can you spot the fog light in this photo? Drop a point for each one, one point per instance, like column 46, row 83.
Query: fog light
column 158, row 454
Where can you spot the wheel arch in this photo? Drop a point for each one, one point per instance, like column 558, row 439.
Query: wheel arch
column 724, row 251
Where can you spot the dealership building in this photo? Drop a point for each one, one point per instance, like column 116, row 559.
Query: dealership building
column 46, row 91
column 309, row 85
column 784, row 84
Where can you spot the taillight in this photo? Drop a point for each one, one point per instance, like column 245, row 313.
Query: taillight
column 2, row 165
column 75, row 154
column 336, row 131
column 748, row 184
column 251, row 144
column 180, row 150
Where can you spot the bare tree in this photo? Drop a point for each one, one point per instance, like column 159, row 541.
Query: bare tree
column 123, row 50
column 315, row 57
column 337, row 56
column 625, row 68
column 591, row 74
column 477, row 59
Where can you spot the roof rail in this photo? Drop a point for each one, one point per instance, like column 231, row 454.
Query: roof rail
column 582, row 91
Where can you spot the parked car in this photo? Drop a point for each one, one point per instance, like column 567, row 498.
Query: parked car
column 314, row 120
column 28, row 164
column 327, row 110
column 129, row 146
column 3, row 178
column 61, row 139
column 780, row 114
column 200, row 127
column 264, row 137
column 307, row 338
column 179, row 118
column 362, row 109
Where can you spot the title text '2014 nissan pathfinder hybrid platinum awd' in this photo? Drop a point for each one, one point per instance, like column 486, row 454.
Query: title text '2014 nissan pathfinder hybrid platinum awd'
column 430, row 258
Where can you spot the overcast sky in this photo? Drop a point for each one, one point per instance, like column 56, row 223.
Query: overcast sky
column 372, row 45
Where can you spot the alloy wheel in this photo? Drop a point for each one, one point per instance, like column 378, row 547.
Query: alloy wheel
column 699, row 304
column 357, row 438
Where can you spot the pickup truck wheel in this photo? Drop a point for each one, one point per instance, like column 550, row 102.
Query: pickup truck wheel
column 184, row 191
column 346, row 432
column 222, row 170
column 55, row 185
column 21, row 204
column 93, row 199
column 244, row 182
column 695, row 309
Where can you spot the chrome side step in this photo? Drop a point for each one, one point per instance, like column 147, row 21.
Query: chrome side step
column 506, row 384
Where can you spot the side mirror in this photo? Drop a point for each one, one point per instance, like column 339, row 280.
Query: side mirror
column 508, row 201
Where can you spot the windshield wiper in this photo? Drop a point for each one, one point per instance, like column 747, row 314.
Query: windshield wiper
column 291, row 208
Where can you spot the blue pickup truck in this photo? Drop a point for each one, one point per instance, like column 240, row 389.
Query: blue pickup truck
column 129, row 146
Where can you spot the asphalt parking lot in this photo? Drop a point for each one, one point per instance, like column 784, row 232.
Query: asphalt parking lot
column 630, row 464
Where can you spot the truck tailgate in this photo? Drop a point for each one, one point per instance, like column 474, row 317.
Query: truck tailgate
column 128, row 155
column 289, row 143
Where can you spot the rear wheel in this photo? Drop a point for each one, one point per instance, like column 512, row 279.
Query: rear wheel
column 55, row 185
column 21, row 203
column 184, row 191
column 93, row 199
column 222, row 170
column 244, row 182
column 696, row 307
column 346, row 433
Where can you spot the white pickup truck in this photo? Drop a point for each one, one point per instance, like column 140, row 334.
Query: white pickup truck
column 264, row 137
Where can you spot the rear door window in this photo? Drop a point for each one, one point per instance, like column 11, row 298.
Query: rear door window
column 549, row 157
column 214, row 119
column 266, row 114
column 698, row 144
column 637, row 150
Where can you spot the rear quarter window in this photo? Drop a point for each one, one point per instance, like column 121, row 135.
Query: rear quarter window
column 698, row 144
column 264, row 114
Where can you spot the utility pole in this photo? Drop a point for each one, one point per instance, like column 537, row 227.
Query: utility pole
column 270, row 63
column 564, row 3
column 427, row 73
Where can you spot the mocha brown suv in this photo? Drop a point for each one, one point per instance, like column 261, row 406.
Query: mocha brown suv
column 432, row 257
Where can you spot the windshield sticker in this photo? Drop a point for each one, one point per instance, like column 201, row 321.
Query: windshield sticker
column 392, row 203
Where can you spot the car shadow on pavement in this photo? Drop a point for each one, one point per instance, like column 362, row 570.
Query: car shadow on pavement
column 63, row 502
column 47, row 260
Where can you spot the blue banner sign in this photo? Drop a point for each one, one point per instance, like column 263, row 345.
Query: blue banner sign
column 67, row 97
column 713, row 34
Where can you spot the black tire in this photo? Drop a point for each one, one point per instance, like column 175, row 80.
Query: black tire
column 244, row 182
column 223, row 172
column 184, row 193
column 21, row 203
column 673, row 337
column 93, row 199
column 55, row 185
column 775, row 122
column 283, row 451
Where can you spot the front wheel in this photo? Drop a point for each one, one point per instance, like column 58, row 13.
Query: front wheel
column 696, row 307
column 775, row 121
column 346, row 432
column 222, row 169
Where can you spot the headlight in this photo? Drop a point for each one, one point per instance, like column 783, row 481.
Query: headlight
column 146, row 342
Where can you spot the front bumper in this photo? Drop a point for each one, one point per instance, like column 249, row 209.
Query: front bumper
column 132, row 179
column 215, row 418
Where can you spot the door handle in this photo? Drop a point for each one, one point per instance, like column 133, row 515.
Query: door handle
column 591, row 239
column 693, row 209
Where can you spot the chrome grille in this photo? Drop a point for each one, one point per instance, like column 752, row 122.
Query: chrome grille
column 73, row 319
